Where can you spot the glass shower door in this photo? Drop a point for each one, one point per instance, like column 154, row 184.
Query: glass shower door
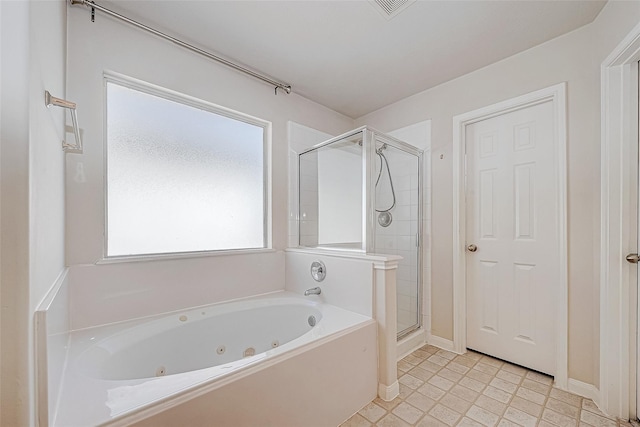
column 331, row 194
column 397, row 222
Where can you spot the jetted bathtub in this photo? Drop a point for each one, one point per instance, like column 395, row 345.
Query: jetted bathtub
column 279, row 359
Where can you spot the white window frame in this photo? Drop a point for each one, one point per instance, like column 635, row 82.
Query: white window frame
column 168, row 94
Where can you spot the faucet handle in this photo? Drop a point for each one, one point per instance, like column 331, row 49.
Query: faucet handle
column 318, row 271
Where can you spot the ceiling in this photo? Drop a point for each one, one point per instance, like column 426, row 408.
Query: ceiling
column 346, row 55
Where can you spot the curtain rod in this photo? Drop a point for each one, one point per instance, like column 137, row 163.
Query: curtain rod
column 92, row 5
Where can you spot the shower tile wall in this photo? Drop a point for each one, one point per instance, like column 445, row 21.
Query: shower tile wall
column 419, row 135
column 399, row 238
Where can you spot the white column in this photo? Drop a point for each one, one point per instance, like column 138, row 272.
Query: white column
column 385, row 312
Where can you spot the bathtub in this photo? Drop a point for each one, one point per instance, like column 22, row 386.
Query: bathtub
column 278, row 359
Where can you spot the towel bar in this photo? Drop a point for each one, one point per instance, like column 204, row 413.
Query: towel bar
column 71, row 106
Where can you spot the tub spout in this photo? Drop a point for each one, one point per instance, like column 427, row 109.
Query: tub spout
column 313, row 291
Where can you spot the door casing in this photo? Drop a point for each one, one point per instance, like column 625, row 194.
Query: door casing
column 557, row 95
column 619, row 139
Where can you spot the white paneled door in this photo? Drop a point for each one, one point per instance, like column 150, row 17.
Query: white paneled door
column 637, row 284
column 513, row 256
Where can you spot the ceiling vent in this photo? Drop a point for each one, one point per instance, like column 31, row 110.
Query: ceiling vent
column 390, row 8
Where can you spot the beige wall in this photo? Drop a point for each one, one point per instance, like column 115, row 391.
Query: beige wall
column 32, row 191
column 111, row 45
column 13, row 215
column 113, row 291
column 574, row 58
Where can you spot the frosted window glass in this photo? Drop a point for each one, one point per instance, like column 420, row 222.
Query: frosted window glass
column 179, row 178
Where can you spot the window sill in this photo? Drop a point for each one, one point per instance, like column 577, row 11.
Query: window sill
column 181, row 255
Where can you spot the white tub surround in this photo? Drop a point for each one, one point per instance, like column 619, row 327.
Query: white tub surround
column 364, row 283
column 183, row 366
column 115, row 292
column 51, row 341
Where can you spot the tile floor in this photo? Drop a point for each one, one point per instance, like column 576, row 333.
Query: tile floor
column 440, row 388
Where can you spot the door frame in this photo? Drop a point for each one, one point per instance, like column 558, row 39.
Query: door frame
column 557, row 96
column 619, row 139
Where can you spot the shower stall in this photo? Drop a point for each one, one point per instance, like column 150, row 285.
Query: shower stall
column 362, row 191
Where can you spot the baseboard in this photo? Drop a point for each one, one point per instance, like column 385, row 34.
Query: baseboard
column 388, row 392
column 585, row 390
column 411, row 343
column 439, row 342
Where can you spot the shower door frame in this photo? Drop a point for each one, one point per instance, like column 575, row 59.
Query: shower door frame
column 369, row 138
column 409, row 149
column 366, row 196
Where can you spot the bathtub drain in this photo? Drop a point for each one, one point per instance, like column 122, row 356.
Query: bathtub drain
column 312, row 321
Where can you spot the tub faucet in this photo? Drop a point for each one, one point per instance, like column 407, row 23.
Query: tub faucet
column 313, row 291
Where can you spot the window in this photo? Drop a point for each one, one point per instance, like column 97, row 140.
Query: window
column 182, row 175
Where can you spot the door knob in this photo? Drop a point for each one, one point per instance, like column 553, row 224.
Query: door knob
column 472, row 248
column 633, row 258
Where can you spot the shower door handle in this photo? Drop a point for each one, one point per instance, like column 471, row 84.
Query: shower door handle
column 472, row 248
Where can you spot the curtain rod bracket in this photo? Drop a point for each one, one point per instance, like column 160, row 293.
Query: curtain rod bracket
column 285, row 88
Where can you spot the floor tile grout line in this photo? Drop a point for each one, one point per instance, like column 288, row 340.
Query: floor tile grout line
column 426, row 352
column 512, row 396
column 580, row 412
column 425, row 413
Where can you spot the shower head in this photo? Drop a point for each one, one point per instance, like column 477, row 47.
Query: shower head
column 381, row 149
